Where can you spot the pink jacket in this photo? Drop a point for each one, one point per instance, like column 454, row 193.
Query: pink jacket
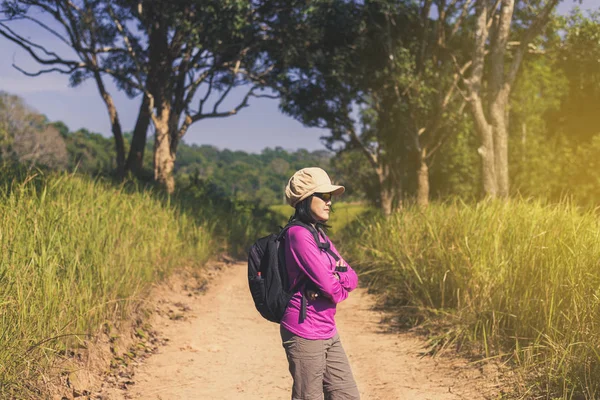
column 305, row 259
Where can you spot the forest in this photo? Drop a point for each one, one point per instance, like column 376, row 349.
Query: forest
column 469, row 130
column 432, row 139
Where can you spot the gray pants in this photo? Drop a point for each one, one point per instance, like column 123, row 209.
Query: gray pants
column 319, row 367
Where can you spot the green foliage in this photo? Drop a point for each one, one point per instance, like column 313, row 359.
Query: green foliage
column 576, row 52
column 361, row 182
column 455, row 169
column 26, row 137
column 381, row 84
column 90, row 153
column 517, row 278
column 236, row 223
column 582, row 173
column 78, row 253
column 554, row 125
column 257, row 178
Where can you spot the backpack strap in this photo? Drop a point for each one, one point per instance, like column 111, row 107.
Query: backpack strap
column 281, row 258
column 324, row 246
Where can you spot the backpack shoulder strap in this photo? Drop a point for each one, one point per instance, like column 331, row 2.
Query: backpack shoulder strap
column 322, row 246
column 325, row 246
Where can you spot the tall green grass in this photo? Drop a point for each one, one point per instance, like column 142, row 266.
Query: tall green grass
column 237, row 223
column 517, row 278
column 76, row 253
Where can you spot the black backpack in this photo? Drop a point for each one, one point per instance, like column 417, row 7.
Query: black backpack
column 268, row 277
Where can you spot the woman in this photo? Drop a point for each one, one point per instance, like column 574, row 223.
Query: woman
column 317, row 360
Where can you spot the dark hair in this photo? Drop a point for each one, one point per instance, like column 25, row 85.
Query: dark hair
column 304, row 215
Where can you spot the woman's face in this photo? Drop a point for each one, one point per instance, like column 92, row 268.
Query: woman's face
column 320, row 206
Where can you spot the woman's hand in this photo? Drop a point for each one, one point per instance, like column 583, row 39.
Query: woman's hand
column 313, row 294
column 340, row 266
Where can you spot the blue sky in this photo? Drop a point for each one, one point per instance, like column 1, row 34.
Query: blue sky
column 254, row 128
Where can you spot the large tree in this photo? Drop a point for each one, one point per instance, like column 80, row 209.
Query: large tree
column 504, row 30
column 182, row 59
column 77, row 28
column 379, row 75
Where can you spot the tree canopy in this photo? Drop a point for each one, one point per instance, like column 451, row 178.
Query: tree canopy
column 420, row 99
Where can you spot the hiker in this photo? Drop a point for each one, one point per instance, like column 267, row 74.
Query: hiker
column 317, row 361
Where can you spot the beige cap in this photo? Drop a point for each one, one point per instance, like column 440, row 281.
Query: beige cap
column 308, row 181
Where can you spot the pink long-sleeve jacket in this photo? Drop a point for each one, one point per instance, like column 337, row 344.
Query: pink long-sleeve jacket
column 304, row 260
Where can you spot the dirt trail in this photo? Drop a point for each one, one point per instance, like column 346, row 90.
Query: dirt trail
column 225, row 350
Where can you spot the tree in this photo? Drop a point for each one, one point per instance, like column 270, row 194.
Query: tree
column 379, row 76
column 184, row 59
column 554, row 121
column 498, row 28
column 576, row 54
column 89, row 38
column 535, row 158
column 27, row 137
column 415, row 102
column 322, row 85
column 89, row 153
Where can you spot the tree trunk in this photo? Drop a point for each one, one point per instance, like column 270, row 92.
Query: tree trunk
column 488, row 166
column 500, row 132
column 115, row 125
column 485, row 131
column 499, row 90
column 135, row 159
column 387, row 199
column 119, row 142
column 164, row 159
column 486, row 150
column 423, row 182
column 494, row 133
column 389, row 191
column 159, row 85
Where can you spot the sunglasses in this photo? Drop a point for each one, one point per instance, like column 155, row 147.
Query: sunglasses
column 323, row 196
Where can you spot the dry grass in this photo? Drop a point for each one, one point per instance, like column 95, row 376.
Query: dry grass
column 516, row 278
column 77, row 254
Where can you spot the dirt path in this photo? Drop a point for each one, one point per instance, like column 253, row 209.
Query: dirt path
column 223, row 349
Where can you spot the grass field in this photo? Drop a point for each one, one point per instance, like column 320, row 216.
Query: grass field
column 518, row 279
column 78, row 253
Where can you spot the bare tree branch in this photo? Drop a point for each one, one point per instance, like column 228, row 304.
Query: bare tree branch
column 460, row 19
column 267, row 96
column 195, row 84
column 233, row 111
column 32, row 49
column 533, row 30
column 44, row 71
column 207, row 95
column 223, row 96
column 372, row 157
column 498, row 47
column 47, row 28
column 492, row 13
column 457, row 77
column 131, row 51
